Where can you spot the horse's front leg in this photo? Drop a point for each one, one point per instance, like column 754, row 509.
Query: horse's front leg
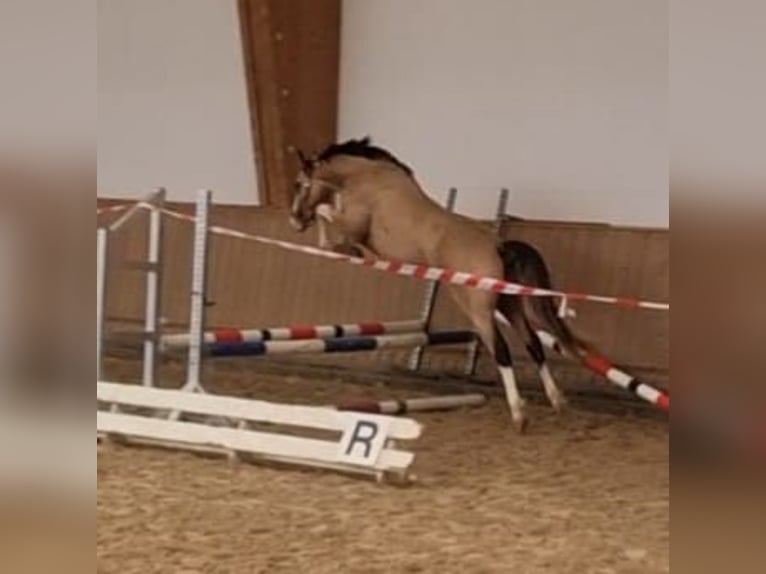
column 352, row 248
column 325, row 215
column 348, row 248
column 341, row 245
column 323, row 240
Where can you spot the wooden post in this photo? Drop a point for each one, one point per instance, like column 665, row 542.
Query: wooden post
column 292, row 58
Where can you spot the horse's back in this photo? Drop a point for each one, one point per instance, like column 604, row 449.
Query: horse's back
column 407, row 224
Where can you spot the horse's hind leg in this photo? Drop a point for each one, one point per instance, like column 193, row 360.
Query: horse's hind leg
column 536, row 351
column 510, row 313
column 492, row 337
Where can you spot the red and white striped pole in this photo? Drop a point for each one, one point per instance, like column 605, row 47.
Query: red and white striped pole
column 399, row 407
column 429, row 273
column 601, row 366
column 297, row 332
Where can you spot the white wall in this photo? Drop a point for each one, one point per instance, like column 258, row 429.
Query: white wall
column 562, row 101
column 173, row 106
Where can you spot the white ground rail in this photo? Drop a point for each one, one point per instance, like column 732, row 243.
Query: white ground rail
column 292, row 434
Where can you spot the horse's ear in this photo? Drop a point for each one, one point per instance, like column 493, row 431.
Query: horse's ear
column 306, row 163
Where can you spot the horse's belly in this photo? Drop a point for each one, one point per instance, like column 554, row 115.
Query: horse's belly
column 399, row 250
column 396, row 244
column 470, row 250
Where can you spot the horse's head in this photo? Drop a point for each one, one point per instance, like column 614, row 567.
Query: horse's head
column 309, row 192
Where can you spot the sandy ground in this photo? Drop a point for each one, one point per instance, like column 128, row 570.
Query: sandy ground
column 582, row 493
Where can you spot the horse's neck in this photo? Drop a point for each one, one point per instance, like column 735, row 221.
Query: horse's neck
column 397, row 210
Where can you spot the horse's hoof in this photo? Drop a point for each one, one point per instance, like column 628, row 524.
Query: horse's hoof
column 520, row 424
column 559, row 405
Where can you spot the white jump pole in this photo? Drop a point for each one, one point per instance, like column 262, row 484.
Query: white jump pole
column 102, row 251
column 151, row 334
column 429, row 299
column 472, row 359
column 198, row 292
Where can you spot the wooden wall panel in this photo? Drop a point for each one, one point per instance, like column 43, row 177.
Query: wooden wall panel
column 255, row 285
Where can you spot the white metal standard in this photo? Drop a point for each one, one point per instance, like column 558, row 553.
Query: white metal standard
column 198, row 292
column 132, row 210
column 102, row 251
column 359, row 443
column 153, row 289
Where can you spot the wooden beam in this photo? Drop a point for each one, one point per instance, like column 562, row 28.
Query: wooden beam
column 292, row 59
column 263, row 95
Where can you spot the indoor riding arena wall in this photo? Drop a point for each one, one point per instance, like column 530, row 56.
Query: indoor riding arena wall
column 253, row 285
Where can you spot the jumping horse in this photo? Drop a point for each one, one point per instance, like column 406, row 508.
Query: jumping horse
column 375, row 207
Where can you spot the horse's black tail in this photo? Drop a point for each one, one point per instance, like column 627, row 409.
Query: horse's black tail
column 522, row 263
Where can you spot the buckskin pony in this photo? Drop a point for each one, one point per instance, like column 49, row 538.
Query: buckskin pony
column 376, row 207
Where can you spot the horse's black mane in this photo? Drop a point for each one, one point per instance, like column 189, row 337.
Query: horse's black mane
column 362, row 148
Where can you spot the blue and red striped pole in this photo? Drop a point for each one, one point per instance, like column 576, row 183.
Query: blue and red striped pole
column 297, row 332
column 337, row 344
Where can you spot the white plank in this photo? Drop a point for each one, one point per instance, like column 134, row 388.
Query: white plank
column 293, row 415
column 325, row 418
column 288, row 448
column 198, row 448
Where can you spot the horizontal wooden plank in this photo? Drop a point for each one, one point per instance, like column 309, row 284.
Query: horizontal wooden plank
column 299, row 450
column 252, row 410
